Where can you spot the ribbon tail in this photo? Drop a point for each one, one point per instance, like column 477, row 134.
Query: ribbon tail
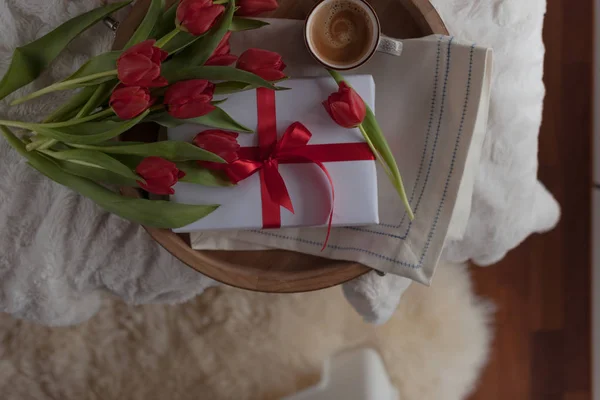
column 330, row 220
column 277, row 188
column 296, row 158
column 270, row 210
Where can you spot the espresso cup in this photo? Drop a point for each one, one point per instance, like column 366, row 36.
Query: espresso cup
column 344, row 34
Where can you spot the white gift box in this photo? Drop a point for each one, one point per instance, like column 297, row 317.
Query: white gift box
column 355, row 182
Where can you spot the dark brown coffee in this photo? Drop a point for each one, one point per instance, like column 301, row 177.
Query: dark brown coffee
column 341, row 32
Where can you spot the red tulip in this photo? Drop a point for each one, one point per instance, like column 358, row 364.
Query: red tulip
column 222, row 54
column 198, row 16
column 140, row 65
column 266, row 64
column 346, row 107
column 190, row 99
column 130, row 101
column 160, row 175
column 255, row 7
column 222, row 143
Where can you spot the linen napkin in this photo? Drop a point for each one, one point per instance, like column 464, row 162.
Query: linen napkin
column 432, row 104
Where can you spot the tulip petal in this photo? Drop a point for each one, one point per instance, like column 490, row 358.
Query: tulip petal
column 343, row 115
column 270, row 74
column 221, row 60
column 190, row 110
column 159, row 82
column 160, row 175
column 255, row 7
column 198, row 16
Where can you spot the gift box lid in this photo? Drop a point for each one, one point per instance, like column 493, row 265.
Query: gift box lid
column 355, row 182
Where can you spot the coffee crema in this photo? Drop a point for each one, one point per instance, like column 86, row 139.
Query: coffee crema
column 341, row 32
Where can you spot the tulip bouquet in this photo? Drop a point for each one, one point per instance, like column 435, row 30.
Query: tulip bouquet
column 168, row 72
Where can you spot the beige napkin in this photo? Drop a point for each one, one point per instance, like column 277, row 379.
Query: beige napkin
column 432, row 103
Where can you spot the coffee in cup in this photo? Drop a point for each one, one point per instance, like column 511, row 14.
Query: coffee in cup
column 343, row 34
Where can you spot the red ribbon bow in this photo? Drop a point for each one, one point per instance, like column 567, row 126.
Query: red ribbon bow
column 292, row 148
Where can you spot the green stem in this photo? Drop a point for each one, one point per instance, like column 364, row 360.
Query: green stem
column 87, row 107
column 50, row 153
column 38, row 141
column 220, row 1
column 57, row 155
column 43, row 143
column 64, row 85
column 47, row 143
column 396, row 180
column 376, row 153
column 54, row 125
column 165, row 39
column 156, row 107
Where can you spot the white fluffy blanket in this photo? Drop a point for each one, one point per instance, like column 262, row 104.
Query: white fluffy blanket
column 434, row 347
column 509, row 203
column 58, row 250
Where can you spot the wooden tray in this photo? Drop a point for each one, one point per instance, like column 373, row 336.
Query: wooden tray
column 280, row 271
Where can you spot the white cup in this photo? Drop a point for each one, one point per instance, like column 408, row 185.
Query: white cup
column 379, row 42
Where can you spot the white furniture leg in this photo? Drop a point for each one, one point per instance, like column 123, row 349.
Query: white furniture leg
column 351, row 375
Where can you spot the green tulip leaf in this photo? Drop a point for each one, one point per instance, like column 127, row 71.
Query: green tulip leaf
column 99, row 97
column 72, row 105
column 170, row 149
column 89, row 132
column 230, row 87
column 29, row 61
column 202, row 176
column 215, row 119
column 166, row 25
column 96, row 159
column 100, row 63
column 131, row 160
column 166, row 22
column 110, row 143
column 147, row 25
column 217, row 102
column 198, row 52
column 96, row 174
column 93, row 82
column 218, row 73
column 243, row 24
column 89, row 80
column 156, row 213
column 219, row 119
column 180, row 42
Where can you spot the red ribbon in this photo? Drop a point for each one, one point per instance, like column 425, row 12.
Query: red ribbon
column 292, row 148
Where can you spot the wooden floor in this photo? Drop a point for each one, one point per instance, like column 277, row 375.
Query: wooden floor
column 542, row 289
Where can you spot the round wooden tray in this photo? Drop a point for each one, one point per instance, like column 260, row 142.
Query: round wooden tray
column 281, row 271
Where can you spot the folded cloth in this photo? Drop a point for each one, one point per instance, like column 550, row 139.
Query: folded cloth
column 432, row 104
